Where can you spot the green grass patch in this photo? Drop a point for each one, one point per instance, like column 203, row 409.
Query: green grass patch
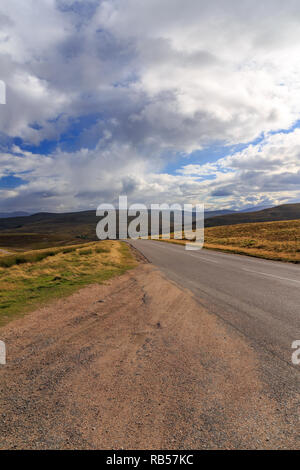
column 31, row 279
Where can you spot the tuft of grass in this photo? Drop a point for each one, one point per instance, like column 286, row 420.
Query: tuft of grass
column 101, row 250
column 85, row 252
column 30, row 257
column 30, row 279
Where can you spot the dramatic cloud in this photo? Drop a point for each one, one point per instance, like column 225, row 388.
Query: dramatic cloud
column 104, row 96
column 268, row 172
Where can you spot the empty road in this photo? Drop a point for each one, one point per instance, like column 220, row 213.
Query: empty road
column 258, row 298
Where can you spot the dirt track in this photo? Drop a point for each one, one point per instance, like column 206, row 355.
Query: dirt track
column 133, row 364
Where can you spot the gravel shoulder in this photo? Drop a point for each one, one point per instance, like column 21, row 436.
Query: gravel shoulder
column 135, row 363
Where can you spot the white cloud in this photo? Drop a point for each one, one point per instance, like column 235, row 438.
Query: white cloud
column 266, row 172
column 230, row 71
column 155, row 78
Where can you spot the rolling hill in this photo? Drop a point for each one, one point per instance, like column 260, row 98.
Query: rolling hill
column 43, row 230
column 273, row 214
column 6, row 215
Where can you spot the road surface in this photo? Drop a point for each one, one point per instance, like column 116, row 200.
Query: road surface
column 258, row 298
column 138, row 363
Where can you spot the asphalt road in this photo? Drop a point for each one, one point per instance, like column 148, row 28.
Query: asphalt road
column 258, row 298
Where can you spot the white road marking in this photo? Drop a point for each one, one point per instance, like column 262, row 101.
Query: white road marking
column 271, row 275
column 193, row 255
column 203, row 259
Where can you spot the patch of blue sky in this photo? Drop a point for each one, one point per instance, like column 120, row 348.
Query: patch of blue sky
column 215, row 152
column 291, row 129
column 73, row 139
column 45, row 147
column 209, row 154
column 69, row 141
column 11, row 182
column 6, row 143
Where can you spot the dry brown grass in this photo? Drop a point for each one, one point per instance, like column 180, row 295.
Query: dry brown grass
column 271, row 240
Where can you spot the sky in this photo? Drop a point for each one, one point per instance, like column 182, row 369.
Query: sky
column 165, row 101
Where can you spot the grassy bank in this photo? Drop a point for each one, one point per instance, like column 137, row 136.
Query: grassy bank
column 25, row 241
column 28, row 280
column 278, row 241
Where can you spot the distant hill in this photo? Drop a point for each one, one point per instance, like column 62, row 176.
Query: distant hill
column 50, row 229
column 6, row 215
column 256, row 208
column 87, row 220
column 44, row 220
column 44, row 229
column 209, row 214
column 272, row 214
column 49, row 221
